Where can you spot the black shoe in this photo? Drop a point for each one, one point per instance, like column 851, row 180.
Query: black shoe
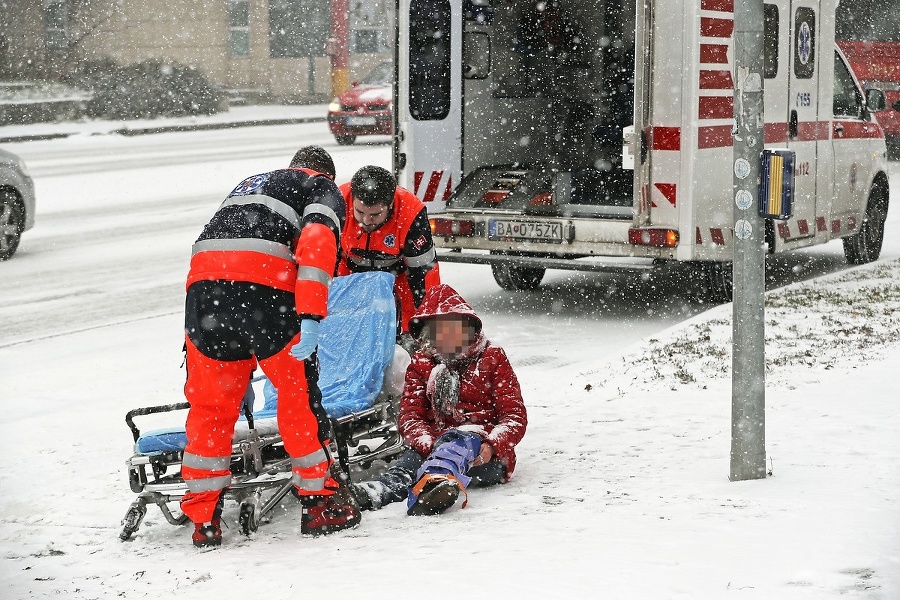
column 327, row 514
column 436, row 496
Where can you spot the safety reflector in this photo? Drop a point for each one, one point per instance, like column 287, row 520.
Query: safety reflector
column 776, row 183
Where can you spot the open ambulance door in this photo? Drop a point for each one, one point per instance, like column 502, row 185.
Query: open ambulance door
column 805, row 130
column 428, row 103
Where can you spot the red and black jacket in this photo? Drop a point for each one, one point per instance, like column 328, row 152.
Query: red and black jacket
column 403, row 244
column 279, row 229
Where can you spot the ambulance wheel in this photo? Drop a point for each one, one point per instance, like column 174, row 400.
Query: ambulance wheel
column 247, row 519
column 515, row 277
column 345, row 140
column 865, row 245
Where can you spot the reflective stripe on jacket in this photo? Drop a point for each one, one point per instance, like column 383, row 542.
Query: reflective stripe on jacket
column 279, row 229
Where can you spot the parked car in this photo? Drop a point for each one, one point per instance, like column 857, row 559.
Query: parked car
column 16, row 202
column 366, row 108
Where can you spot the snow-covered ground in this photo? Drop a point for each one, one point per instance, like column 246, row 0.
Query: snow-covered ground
column 622, row 487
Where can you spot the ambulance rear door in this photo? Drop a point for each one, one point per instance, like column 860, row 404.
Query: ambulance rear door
column 428, row 128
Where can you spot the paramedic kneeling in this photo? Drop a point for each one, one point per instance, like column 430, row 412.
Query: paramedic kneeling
column 257, row 288
column 461, row 413
column 387, row 229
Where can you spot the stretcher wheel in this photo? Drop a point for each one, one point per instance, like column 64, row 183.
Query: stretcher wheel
column 136, row 513
column 248, row 519
column 134, row 481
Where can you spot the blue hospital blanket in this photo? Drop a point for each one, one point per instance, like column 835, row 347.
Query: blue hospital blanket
column 356, row 343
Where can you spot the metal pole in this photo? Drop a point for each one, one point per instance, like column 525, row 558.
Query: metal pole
column 748, row 423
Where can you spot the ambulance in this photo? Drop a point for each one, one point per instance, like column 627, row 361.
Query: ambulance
column 597, row 134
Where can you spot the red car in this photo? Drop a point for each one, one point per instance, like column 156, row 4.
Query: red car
column 366, row 108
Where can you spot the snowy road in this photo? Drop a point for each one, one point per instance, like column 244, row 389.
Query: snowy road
column 621, row 485
column 117, row 216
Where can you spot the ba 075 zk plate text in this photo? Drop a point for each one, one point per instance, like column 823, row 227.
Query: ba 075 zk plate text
column 525, row 230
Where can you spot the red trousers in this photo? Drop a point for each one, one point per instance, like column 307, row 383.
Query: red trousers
column 215, row 389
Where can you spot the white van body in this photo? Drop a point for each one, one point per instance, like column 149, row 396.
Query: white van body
column 577, row 133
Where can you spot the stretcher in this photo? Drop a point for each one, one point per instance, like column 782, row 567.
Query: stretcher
column 361, row 377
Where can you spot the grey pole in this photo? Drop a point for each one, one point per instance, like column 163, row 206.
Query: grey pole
column 748, row 398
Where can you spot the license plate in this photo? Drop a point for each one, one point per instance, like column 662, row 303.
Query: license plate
column 358, row 121
column 525, row 230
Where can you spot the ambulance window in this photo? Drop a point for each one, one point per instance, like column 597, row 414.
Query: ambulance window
column 476, row 55
column 429, row 59
column 804, row 43
column 848, row 101
column 770, row 41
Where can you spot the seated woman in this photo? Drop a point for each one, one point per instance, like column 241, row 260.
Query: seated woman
column 461, row 412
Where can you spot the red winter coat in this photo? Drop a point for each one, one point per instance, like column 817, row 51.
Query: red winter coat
column 490, row 400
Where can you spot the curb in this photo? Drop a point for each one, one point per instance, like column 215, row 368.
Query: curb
column 169, row 129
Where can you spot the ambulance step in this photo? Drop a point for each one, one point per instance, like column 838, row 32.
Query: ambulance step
column 606, row 265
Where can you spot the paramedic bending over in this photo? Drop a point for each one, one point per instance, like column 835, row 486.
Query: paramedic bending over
column 387, row 229
column 257, row 288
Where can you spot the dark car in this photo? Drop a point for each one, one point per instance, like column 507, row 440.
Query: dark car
column 366, row 108
column 16, row 202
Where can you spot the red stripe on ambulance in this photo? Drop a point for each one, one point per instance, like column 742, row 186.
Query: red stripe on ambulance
column 821, row 224
column 716, row 107
column 716, row 236
column 854, row 129
column 714, row 136
column 666, row 138
column 668, row 192
column 721, row 28
column 714, row 54
column 429, row 193
column 715, row 80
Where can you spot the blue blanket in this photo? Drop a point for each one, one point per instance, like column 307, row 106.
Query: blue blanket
column 356, row 343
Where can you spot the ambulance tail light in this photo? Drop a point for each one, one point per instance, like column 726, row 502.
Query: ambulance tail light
column 660, row 238
column 494, row 196
column 452, row 227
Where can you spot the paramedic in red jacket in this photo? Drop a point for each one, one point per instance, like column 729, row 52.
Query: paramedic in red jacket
column 461, row 412
column 387, row 229
column 257, row 288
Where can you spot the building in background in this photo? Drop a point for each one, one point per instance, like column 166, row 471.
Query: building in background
column 271, row 49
